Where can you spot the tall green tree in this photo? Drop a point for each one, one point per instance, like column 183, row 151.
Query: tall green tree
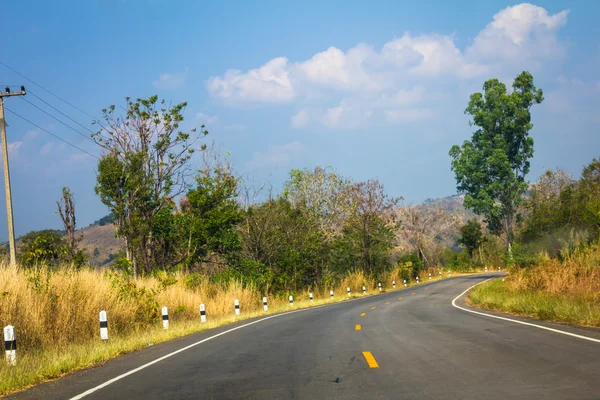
column 46, row 247
column 145, row 166
column 471, row 236
column 491, row 167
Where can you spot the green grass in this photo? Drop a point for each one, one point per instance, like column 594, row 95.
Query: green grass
column 501, row 296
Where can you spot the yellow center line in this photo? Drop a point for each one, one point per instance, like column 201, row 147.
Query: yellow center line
column 372, row 308
column 399, row 298
column 363, row 314
column 387, row 302
column 358, row 327
column 370, row 359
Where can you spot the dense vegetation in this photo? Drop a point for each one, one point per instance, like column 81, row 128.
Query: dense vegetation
column 321, row 227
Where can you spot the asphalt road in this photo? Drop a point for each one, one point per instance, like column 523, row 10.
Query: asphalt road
column 423, row 347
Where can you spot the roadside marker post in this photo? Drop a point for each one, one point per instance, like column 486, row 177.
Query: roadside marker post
column 417, row 280
column 380, row 286
column 430, row 275
column 310, row 296
column 202, row 313
column 498, row 269
column 394, row 284
column 348, row 291
column 440, row 274
column 291, row 301
column 103, row 326
column 165, row 317
column 331, row 294
column 10, row 345
column 405, row 283
column 236, row 304
column 265, row 306
column 364, row 290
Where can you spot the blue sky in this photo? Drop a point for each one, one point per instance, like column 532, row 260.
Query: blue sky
column 374, row 89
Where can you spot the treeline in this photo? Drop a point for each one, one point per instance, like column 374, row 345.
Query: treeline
column 175, row 216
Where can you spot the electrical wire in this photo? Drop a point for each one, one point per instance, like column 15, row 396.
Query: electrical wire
column 52, row 134
column 48, row 91
column 57, row 110
column 62, row 122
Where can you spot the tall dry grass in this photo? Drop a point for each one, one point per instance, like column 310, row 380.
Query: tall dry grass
column 577, row 275
column 55, row 313
column 562, row 291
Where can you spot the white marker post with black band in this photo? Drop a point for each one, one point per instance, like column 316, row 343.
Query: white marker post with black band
column 165, row 317
column 103, row 326
column 380, row 286
column 202, row 313
column 310, row 296
column 265, row 305
column 10, row 345
column 417, row 280
column 348, row 292
column 291, row 301
column 331, row 294
column 404, row 282
column 236, row 304
column 430, row 275
column 364, row 290
column 394, row 284
column 440, row 274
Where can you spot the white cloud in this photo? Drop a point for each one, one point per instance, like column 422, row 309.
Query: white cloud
column 31, row 134
column 347, row 71
column 235, row 127
column 269, row 83
column 409, row 115
column 521, row 33
column 404, row 72
column 170, row 81
column 300, row 119
column 430, row 55
column 276, row 155
column 207, row 118
column 347, row 115
column 47, row 148
column 13, row 148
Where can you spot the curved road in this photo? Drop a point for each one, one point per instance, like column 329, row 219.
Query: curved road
column 422, row 346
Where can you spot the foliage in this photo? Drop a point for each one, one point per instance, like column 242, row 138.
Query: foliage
column 491, row 167
column 46, row 247
column 146, row 164
column 471, row 236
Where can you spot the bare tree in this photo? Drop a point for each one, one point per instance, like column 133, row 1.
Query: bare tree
column 423, row 227
column 66, row 211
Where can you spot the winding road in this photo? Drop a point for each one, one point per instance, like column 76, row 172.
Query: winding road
column 405, row 344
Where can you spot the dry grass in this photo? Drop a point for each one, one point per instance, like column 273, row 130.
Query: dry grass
column 56, row 314
column 561, row 291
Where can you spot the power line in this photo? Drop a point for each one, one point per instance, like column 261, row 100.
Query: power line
column 57, row 110
column 48, row 91
column 50, row 133
column 52, row 116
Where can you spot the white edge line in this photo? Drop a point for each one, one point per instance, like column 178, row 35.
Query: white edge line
column 517, row 321
column 141, row 367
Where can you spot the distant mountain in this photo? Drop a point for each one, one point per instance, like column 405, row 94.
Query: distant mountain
column 100, row 243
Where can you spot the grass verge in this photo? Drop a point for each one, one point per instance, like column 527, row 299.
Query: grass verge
column 42, row 363
column 508, row 297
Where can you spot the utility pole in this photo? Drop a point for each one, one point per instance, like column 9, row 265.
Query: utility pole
column 9, row 213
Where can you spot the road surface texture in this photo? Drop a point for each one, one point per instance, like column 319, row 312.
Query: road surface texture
column 408, row 344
